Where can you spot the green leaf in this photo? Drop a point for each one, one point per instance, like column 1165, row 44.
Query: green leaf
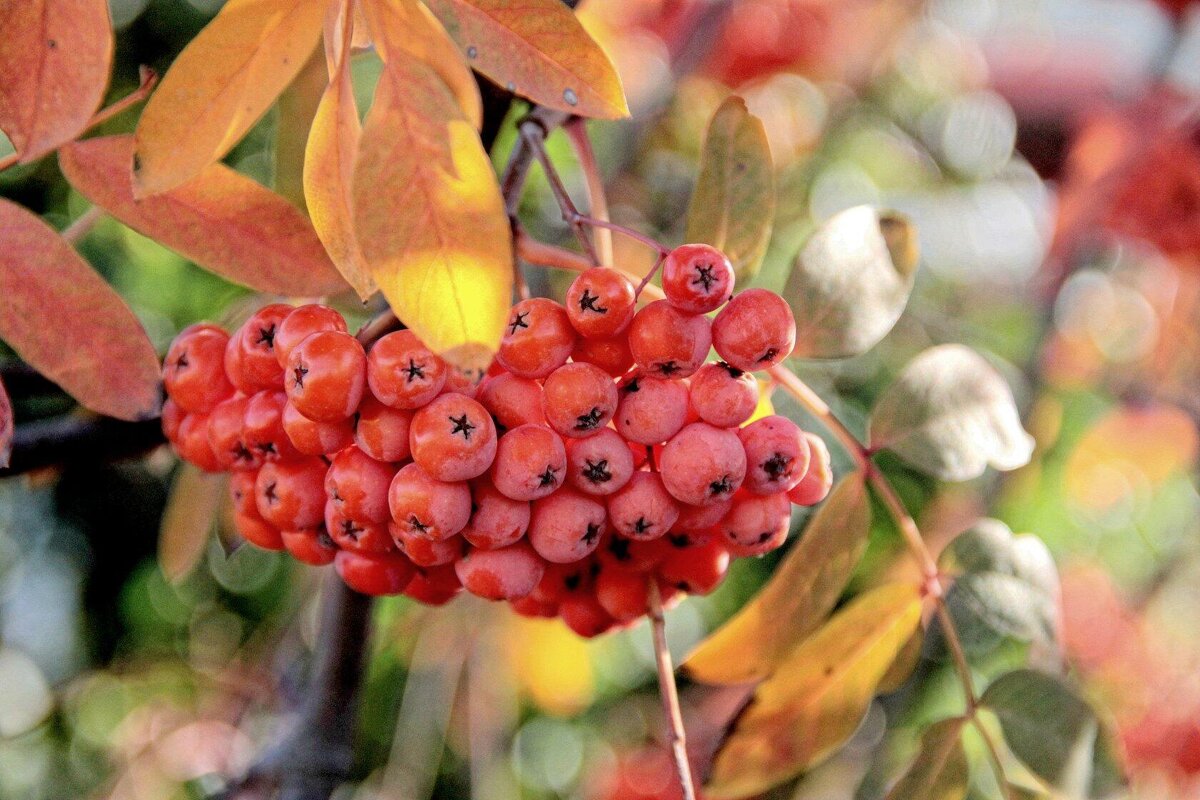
column 798, row 597
column 733, row 205
column 950, row 414
column 851, row 282
column 1055, row 733
column 940, row 771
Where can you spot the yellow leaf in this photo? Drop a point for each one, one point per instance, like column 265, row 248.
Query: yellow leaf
column 798, row 597
column 296, row 109
column 220, row 85
column 817, row 696
column 188, row 520
column 537, row 49
column 429, row 215
column 765, row 407
column 330, row 156
column 405, row 28
column 552, row 664
column 54, row 61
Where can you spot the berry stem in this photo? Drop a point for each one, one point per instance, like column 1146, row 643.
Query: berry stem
column 533, row 133
column 83, row 225
column 669, row 694
column 576, row 130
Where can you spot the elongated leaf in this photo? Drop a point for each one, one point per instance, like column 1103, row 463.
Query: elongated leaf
column 537, row 49
column 905, row 663
column 188, row 520
column 222, row 220
column 330, row 156
column 940, row 771
column 294, row 117
column 55, row 57
column 818, row 694
column 1055, row 733
column 68, row 324
column 851, row 282
column 797, row 599
column 220, row 85
column 429, row 215
column 950, row 414
column 6, row 427
column 733, row 205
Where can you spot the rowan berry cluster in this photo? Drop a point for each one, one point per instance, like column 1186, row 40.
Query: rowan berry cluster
column 598, row 454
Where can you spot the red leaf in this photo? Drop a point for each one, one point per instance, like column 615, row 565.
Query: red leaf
column 68, row 324
column 220, row 219
column 54, row 61
column 6, row 427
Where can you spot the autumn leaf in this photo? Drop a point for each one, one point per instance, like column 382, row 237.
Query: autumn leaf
column 797, row 598
column 55, row 57
column 733, row 205
column 330, row 155
column 293, row 118
column 69, row 325
column 219, row 86
column 428, row 212
column 537, row 49
column 6, row 427
column 188, row 520
column 940, row 771
column 818, row 694
column 222, row 220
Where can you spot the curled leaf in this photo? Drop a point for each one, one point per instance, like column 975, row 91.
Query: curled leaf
column 219, row 86
column 951, row 414
column 222, row 220
column 68, row 324
column 537, row 49
column 851, row 282
column 55, row 57
column 733, row 205
column 940, row 771
column 797, row 598
column 188, row 520
column 817, row 696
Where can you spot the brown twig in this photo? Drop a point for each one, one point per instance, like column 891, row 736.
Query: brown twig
column 677, row 736
column 576, row 130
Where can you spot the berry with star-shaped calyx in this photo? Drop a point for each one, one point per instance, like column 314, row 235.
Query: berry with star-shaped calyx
column 326, row 376
column 421, row 505
column 453, row 438
column 600, row 302
column 579, row 400
column 777, row 454
column 722, row 395
column 703, row 464
column 667, row 342
column 194, row 369
column 600, row 464
column 300, row 323
column 530, row 463
column 538, row 339
column 755, row 330
column 650, row 410
column 403, row 372
column 697, row 278
column 643, row 508
column 566, row 526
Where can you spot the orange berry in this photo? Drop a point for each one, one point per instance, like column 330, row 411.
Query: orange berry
column 623, row 593
column 756, row 330
column 257, row 531
column 302, row 322
column 816, row 483
column 424, row 506
column 403, row 372
column 703, row 464
column 530, row 463
column 382, row 431
column 599, row 464
column 757, row 520
column 434, row 586
column 264, row 433
column 172, row 416
column 699, row 519
column 723, row 395
column 192, row 443
column 600, row 302
column 326, row 376
column 358, row 485
column 496, row 521
column 310, row 546
column 255, row 342
column 776, row 454
column 566, row 526
column 291, row 494
column 227, row 435
column 667, row 342
column 374, row 573
column 579, row 399
column 697, row 278
column 512, row 400
column 538, row 340
column 314, row 438
column 355, row 532
column 650, row 410
column 507, row 573
column 453, row 438
column 643, row 509
column 695, row 568
column 194, row 369
column 609, row 354
column 425, row 552
column 583, row 614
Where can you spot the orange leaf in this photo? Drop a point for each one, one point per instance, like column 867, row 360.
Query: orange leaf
column 68, row 324
column 220, row 85
column 330, row 155
column 188, row 519
column 538, row 49
column 54, row 61
column 222, row 220
column 429, row 214
column 6, row 426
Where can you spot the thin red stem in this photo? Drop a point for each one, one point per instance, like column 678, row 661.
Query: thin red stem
column 676, row 735
column 576, row 130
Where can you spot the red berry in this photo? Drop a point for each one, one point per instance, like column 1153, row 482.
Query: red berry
column 310, row 546
column 241, row 492
column 512, row 400
column 496, row 521
column 703, row 464
column 530, row 462
column 302, row 322
column 172, row 416
column 355, row 532
column 194, row 369
column 640, row 555
column 453, row 438
column 257, row 531
column 291, row 494
column 374, row 573
column 650, row 410
column 264, row 432
column 609, row 354
column 697, row 278
column 776, row 454
column 424, row 506
column 538, row 340
column 723, row 395
column 583, row 614
column 559, row 580
column 695, row 569
column 667, row 342
column 403, row 372
column 816, row 483
column 314, row 438
column 227, row 435
column 462, row 382
column 434, row 586
column 326, row 375
column 600, row 302
column 566, row 526
column 756, row 330
column 623, row 593
column 698, row 519
column 599, row 464
column 424, row 552
column 358, row 485
column 579, row 399
column 756, row 520
column 382, row 431
column 643, row 509
column 532, row 607
column 507, row 573
column 192, row 443
column 255, row 341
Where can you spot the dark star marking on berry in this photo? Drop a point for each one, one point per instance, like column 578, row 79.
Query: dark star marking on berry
column 298, row 375
column 351, row 530
column 678, row 539
column 414, row 371
column 266, row 448
column 704, row 276
column 764, row 536
column 592, row 534
column 588, row 302
column 588, row 421
column 642, row 525
column 632, row 386
column 324, row 539
column 518, row 322
column 547, row 478
column 619, row 549
column 417, row 525
column 269, row 493
column 597, row 471
column 242, row 453
column 572, row 581
column 721, row 486
column 777, row 467
column 267, row 336
column 668, row 368
column 462, row 425
column 733, row 371
column 182, row 361
column 769, row 355
column 337, row 497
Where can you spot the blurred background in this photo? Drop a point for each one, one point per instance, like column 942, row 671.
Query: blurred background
column 1049, row 153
